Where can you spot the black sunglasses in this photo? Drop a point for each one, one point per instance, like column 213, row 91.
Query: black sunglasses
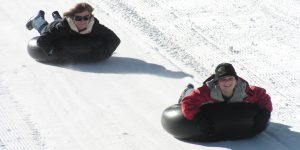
column 79, row 18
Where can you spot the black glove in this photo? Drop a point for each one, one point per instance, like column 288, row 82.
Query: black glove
column 49, row 51
column 261, row 120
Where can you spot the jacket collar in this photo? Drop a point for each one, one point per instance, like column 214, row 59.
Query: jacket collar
column 74, row 28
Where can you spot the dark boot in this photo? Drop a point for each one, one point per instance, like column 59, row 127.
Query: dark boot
column 189, row 88
column 56, row 15
column 29, row 25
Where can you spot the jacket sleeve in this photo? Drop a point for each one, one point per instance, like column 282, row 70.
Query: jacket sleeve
column 262, row 98
column 110, row 39
column 191, row 104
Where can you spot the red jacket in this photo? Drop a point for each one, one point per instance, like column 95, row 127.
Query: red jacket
column 208, row 93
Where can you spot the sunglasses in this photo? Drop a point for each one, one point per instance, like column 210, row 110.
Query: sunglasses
column 79, row 18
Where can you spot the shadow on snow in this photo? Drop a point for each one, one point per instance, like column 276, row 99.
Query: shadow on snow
column 124, row 65
column 276, row 137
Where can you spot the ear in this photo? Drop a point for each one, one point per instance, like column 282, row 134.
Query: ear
column 236, row 78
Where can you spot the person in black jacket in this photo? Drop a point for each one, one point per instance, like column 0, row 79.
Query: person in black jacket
column 77, row 26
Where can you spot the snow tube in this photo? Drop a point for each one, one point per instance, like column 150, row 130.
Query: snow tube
column 216, row 121
column 38, row 53
column 73, row 48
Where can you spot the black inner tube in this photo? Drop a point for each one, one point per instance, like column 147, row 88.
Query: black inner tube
column 73, row 48
column 216, row 121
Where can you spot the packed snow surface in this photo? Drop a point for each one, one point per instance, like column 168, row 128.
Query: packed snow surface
column 166, row 44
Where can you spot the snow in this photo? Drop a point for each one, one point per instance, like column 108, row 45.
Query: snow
column 117, row 104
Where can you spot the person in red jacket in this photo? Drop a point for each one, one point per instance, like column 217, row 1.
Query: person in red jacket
column 225, row 86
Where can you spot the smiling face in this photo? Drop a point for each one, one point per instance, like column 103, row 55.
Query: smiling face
column 81, row 20
column 227, row 85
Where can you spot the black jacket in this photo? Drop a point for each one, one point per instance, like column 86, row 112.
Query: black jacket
column 60, row 30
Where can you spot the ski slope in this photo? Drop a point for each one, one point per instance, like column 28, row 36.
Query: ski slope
column 117, row 104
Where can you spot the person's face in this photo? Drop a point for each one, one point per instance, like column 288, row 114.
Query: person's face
column 81, row 20
column 227, row 85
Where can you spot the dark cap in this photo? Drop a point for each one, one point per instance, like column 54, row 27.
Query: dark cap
column 223, row 70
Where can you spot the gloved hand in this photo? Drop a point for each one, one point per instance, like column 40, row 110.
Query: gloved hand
column 50, row 51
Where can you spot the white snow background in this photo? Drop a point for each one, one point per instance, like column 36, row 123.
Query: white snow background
column 166, row 44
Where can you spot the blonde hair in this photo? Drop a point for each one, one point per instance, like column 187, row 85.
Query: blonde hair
column 78, row 8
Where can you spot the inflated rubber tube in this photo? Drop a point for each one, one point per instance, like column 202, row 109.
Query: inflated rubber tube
column 76, row 48
column 226, row 121
column 38, row 53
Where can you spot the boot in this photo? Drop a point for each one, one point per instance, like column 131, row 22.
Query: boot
column 29, row 25
column 56, row 15
column 189, row 88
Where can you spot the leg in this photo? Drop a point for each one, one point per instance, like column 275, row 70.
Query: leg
column 37, row 22
column 56, row 15
column 189, row 89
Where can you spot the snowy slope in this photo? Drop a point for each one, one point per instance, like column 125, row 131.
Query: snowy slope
column 117, row 104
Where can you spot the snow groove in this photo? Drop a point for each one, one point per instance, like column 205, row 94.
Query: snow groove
column 19, row 133
column 174, row 52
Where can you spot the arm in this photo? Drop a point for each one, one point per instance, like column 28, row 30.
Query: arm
column 192, row 103
column 264, row 102
column 110, row 39
column 262, row 98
